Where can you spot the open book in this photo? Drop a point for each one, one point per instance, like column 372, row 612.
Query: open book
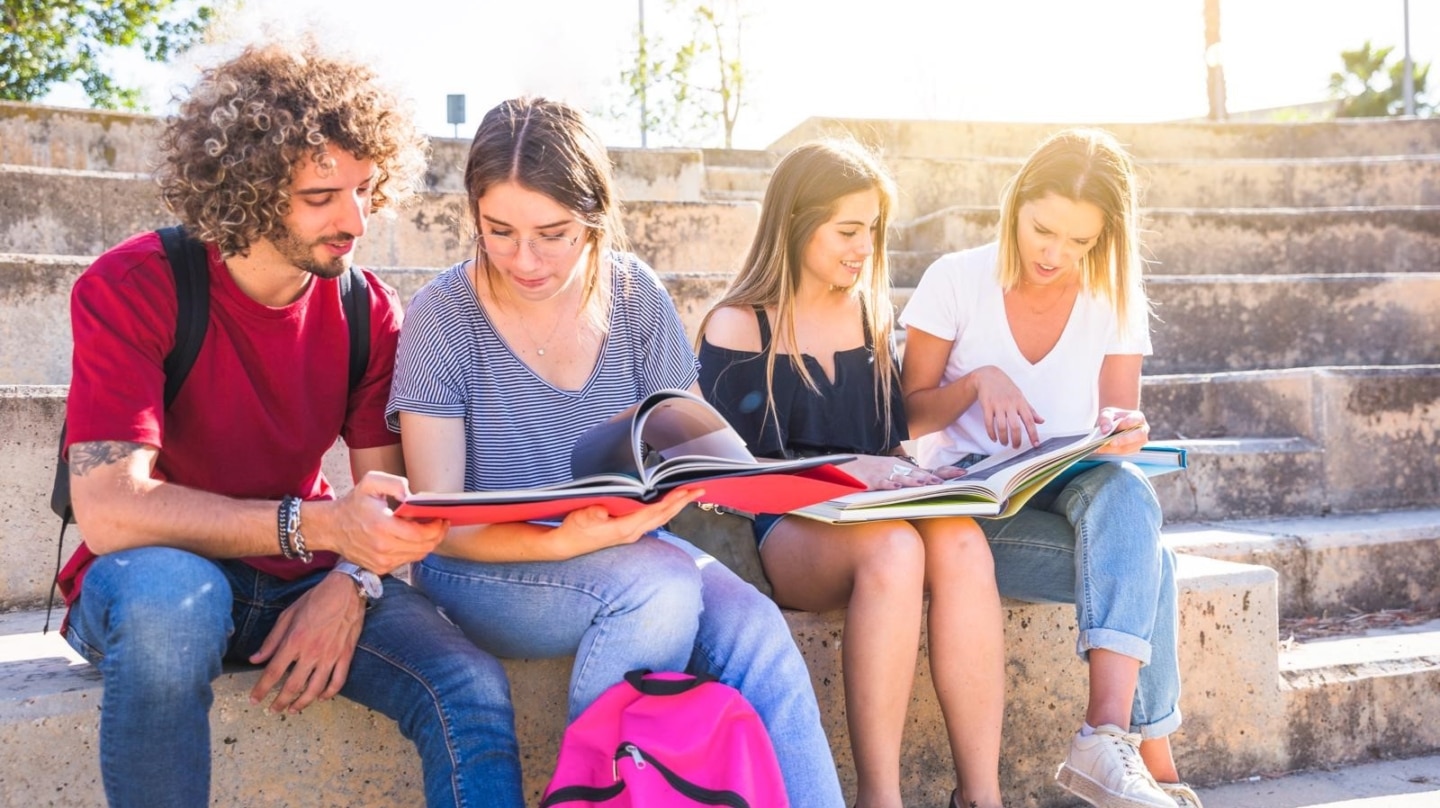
column 688, row 443
column 997, row 486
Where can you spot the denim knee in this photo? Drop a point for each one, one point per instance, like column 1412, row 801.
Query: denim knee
column 154, row 614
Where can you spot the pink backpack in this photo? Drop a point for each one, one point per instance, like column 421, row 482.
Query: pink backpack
column 658, row 740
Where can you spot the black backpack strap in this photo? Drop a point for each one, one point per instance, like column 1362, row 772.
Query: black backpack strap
column 355, row 297
column 190, row 264
column 191, row 267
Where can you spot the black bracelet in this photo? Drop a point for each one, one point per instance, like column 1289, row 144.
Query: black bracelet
column 908, row 459
column 283, row 520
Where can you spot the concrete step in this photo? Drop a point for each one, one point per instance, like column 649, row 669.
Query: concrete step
column 49, row 702
column 35, row 304
column 1224, row 241
column 1331, row 564
column 1408, row 783
column 736, row 182
column 59, row 137
column 1207, row 323
column 1227, row 322
column 929, row 184
column 1343, row 440
column 1269, row 322
column 63, row 212
column 1373, row 427
column 1202, row 139
column 1358, row 698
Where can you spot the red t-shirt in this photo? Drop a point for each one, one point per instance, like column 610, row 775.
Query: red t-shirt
column 266, row 398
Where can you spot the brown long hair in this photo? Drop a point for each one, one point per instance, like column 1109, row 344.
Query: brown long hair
column 548, row 147
column 1083, row 165
column 801, row 196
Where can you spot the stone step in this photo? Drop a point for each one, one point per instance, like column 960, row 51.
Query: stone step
column 1202, row 139
column 1228, row 241
column 1269, row 322
column 35, row 303
column 1330, row 565
column 1357, row 698
column 1327, row 464
column 63, row 212
column 1373, row 428
column 49, row 703
column 59, row 137
column 929, row 184
column 736, row 182
column 1213, row 322
column 1206, row 323
column 1407, row 783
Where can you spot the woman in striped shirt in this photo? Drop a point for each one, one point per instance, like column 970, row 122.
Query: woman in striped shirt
column 504, row 360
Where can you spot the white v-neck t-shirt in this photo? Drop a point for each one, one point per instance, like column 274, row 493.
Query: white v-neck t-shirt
column 959, row 298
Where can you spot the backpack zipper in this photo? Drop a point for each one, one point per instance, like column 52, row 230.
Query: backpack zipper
column 698, row 793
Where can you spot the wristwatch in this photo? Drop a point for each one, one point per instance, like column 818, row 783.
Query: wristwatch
column 368, row 582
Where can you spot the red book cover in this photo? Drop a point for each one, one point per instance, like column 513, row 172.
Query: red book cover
column 688, row 445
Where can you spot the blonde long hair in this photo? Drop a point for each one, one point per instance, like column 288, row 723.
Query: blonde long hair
column 801, row 196
column 1082, row 165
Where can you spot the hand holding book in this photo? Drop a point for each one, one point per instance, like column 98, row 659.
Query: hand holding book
column 671, row 440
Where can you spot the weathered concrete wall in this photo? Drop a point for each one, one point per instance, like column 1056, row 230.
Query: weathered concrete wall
column 1331, row 565
column 1249, row 241
column 1337, row 138
column 50, row 211
column 58, row 137
column 929, row 184
column 1205, row 323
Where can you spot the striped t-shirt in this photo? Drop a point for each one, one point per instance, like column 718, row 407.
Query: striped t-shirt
column 518, row 427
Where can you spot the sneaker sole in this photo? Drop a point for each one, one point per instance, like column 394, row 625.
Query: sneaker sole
column 1093, row 792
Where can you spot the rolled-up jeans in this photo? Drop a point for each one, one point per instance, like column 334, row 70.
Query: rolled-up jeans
column 158, row 622
column 659, row 603
column 1096, row 543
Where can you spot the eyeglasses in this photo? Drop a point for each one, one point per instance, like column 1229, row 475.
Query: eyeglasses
column 543, row 246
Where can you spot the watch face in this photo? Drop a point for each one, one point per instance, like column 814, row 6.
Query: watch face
column 370, row 583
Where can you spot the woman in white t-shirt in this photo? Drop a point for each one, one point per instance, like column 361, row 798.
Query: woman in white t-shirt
column 1043, row 333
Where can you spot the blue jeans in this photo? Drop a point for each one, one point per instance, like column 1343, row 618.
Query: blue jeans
column 659, row 603
column 158, row 622
column 1096, row 543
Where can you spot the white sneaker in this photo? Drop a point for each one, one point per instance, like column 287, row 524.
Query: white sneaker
column 1105, row 770
column 1182, row 794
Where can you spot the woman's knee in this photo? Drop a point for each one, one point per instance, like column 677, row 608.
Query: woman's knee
column 956, row 548
column 650, row 577
column 890, row 551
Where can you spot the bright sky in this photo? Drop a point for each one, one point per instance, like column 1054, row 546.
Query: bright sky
column 1057, row 61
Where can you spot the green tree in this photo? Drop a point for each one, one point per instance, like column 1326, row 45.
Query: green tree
column 44, row 43
column 692, row 92
column 1371, row 85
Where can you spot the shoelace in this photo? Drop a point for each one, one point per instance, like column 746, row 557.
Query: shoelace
column 1129, row 748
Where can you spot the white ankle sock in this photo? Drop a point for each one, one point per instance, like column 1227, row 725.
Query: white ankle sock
column 1086, row 730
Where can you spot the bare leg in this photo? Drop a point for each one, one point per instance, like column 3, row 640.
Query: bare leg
column 875, row 571
column 1156, row 754
column 967, row 652
column 1112, row 688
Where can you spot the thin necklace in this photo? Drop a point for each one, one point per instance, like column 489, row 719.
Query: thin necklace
column 519, row 320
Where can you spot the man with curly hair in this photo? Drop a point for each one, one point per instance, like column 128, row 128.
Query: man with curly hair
column 211, row 533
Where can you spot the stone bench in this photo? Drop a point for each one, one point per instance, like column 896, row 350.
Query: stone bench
column 339, row 753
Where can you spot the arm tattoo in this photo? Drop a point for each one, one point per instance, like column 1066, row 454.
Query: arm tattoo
column 86, row 457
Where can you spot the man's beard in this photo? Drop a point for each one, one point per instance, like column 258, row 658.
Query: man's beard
column 302, row 254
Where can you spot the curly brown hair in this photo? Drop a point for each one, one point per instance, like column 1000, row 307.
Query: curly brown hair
column 229, row 153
